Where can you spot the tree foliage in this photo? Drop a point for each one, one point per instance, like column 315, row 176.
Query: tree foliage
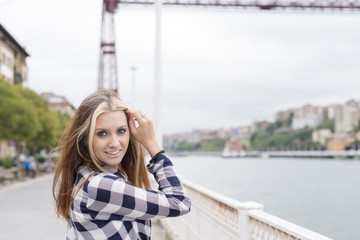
column 204, row 145
column 18, row 119
column 212, row 145
column 279, row 135
column 261, row 140
column 328, row 123
column 280, row 124
column 184, row 146
column 25, row 116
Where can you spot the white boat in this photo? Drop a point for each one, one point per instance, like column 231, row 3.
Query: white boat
column 232, row 154
column 233, row 149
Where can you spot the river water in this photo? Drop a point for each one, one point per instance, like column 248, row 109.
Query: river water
column 322, row 195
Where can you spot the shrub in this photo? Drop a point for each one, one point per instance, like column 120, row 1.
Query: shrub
column 6, row 162
column 41, row 159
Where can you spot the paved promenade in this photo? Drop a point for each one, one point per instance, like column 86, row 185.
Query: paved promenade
column 27, row 212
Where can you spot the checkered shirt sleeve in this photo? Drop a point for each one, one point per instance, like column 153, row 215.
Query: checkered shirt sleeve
column 107, row 207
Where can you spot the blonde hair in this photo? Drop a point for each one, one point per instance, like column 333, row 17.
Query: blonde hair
column 76, row 150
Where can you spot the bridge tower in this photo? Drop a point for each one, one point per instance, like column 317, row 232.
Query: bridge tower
column 107, row 62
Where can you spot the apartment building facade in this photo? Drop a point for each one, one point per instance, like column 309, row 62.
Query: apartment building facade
column 347, row 116
column 13, row 69
column 13, row 56
column 308, row 116
column 58, row 103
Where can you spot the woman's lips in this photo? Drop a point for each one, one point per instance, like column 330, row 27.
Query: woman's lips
column 113, row 153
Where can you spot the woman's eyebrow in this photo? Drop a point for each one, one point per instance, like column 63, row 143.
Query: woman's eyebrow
column 97, row 129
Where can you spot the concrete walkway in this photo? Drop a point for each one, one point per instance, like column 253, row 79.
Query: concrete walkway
column 157, row 231
column 27, row 212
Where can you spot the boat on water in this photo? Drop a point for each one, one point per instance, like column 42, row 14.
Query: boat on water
column 233, row 149
column 233, row 154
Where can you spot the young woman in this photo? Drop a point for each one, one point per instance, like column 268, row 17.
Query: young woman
column 101, row 186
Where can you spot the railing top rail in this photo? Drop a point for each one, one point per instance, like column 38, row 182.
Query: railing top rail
column 285, row 226
column 261, row 4
column 223, row 199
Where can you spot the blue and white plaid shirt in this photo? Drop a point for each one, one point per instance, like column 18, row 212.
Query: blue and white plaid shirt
column 107, row 207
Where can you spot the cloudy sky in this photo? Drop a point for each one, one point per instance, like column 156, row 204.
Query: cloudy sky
column 221, row 68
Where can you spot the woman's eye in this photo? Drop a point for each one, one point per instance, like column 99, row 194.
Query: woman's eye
column 121, row 131
column 101, row 133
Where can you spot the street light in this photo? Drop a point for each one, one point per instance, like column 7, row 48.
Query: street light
column 133, row 69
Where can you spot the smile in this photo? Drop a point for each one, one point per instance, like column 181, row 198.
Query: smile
column 113, row 153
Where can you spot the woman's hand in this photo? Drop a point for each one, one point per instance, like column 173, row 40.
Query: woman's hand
column 144, row 132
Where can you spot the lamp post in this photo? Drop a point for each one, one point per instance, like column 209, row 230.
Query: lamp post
column 157, row 83
column 133, row 69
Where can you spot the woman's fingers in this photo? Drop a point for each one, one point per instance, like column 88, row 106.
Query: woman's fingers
column 137, row 114
column 132, row 123
column 140, row 125
column 144, row 132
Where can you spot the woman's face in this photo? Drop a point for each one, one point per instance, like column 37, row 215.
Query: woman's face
column 111, row 138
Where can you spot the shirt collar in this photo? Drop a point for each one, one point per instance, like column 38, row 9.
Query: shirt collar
column 114, row 171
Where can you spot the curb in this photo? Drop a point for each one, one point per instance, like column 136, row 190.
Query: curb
column 21, row 183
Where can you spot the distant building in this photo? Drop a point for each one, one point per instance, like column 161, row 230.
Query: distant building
column 233, row 148
column 331, row 110
column 357, row 136
column 283, row 115
column 321, row 135
column 339, row 142
column 174, row 140
column 261, row 125
column 346, row 117
column 58, row 103
column 193, row 137
column 13, row 69
column 198, row 135
column 308, row 116
column 225, row 133
column 13, row 56
column 244, row 133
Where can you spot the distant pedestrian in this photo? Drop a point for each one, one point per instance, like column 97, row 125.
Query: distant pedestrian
column 32, row 170
column 21, row 164
column 101, row 185
column 27, row 166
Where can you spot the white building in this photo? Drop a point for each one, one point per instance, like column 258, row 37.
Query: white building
column 58, row 103
column 346, row 118
column 13, row 56
column 321, row 135
column 308, row 116
column 193, row 137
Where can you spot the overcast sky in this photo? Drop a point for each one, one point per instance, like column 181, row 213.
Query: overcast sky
column 221, row 68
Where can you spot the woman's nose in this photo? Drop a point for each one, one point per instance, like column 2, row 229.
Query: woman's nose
column 114, row 141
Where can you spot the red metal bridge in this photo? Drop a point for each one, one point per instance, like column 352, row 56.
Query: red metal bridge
column 107, row 63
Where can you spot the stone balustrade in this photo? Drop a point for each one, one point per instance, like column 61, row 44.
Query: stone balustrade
column 215, row 216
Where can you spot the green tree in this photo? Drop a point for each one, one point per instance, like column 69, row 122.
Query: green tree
column 212, row 145
column 188, row 146
column 271, row 128
column 63, row 122
column 294, row 139
column 47, row 134
column 25, row 116
column 328, row 123
column 18, row 117
column 280, row 124
column 260, row 139
column 288, row 121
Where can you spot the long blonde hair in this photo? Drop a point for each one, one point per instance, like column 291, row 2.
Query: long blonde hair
column 76, row 150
